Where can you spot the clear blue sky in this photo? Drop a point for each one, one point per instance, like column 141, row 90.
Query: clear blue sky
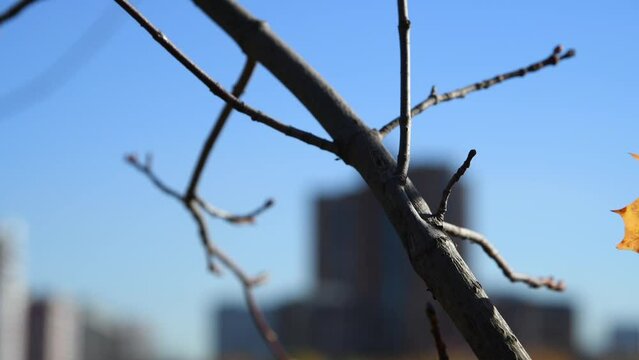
column 552, row 148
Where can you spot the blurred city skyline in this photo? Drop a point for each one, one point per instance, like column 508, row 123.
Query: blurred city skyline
column 552, row 148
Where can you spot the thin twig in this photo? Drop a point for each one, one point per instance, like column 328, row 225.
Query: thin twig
column 248, row 283
column 260, row 322
column 477, row 238
column 403, row 27
column 235, row 219
column 14, row 10
column 237, row 91
column 219, row 91
column 434, row 329
column 443, row 204
column 145, row 168
column 434, row 98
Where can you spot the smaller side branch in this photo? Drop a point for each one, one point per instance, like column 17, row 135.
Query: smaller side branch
column 232, row 218
column 237, row 91
column 219, row 91
column 434, row 99
column 15, row 10
column 248, row 283
column 403, row 157
column 434, row 329
column 194, row 206
column 443, row 205
column 145, row 168
column 479, row 239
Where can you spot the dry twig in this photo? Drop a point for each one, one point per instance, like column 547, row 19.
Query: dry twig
column 403, row 157
column 489, row 249
column 434, row 329
column 194, row 206
column 443, row 205
column 434, row 98
column 219, row 91
column 237, row 91
column 14, row 10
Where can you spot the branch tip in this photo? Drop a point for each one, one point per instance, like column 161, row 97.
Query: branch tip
column 479, row 239
column 443, row 205
column 434, row 99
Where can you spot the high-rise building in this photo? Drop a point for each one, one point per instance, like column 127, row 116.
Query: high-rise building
column 13, row 299
column 365, row 287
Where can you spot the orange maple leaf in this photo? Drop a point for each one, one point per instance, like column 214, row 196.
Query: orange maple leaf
column 630, row 216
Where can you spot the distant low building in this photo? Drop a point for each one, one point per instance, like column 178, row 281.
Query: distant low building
column 54, row 330
column 237, row 336
column 541, row 327
column 59, row 330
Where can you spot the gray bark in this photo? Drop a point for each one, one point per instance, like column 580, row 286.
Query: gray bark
column 430, row 251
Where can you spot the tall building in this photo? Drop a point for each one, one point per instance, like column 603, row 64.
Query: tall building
column 368, row 302
column 365, row 287
column 13, row 299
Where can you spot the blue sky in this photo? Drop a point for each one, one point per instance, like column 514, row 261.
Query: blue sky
column 552, row 148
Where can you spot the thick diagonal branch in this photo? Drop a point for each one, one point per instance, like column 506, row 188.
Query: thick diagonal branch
column 218, row 90
column 434, row 98
column 14, row 10
column 237, row 91
column 491, row 251
column 430, row 251
column 403, row 28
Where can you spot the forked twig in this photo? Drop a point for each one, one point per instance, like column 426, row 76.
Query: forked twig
column 490, row 250
column 403, row 156
column 14, row 10
column 433, row 99
column 434, row 329
column 195, row 206
column 219, row 91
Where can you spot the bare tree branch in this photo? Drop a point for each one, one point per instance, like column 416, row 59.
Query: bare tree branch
column 214, row 253
column 235, row 219
column 431, row 252
column 434, row 329
column 443, row 205
column 248, row 283
column 403, row 27
column 489, row 249
column 14, row 10
column 145, row 168
column 434, row 98
column 237, row 91
column 218, row 90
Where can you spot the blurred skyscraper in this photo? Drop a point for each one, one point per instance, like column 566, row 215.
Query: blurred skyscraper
column 13, row 299
column 368, row 302
column 367, row 299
